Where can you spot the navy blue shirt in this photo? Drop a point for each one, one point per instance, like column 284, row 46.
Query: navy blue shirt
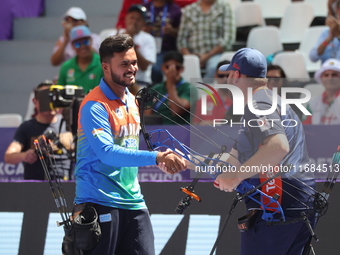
column 257, row 128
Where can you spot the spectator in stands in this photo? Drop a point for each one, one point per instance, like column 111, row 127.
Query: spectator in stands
column 276, row 78
column 124, row 10
column 332, row 7
column 328, row 44
column 84, row 69
column 128, row 3
column 216, row 111
column 325, row 107
column 63, row 50
column 181, row 94
column 164, row 17
column 145, row 45
column 22, row 149
column 207, row 29
column 331, row 12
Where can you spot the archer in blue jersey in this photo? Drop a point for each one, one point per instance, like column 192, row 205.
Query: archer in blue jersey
column 108, row 155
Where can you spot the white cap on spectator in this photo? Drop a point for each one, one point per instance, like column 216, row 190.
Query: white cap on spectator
column 76, row 13
column 329, row 64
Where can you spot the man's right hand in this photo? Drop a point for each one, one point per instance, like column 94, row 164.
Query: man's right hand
column 171, row 162
column 30, row 156
column 67, row 28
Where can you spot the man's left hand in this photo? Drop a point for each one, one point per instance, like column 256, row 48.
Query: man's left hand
column 226, row 182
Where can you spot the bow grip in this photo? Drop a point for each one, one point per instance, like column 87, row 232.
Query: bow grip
column 244, row 187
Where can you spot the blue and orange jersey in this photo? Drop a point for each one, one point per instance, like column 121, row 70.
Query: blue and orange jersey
column 107, row 150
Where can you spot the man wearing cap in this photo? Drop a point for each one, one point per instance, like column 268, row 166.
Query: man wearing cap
column 325, row 108
column 84, row 69
column 264, row 141
column 63, row 50
column 145, row 44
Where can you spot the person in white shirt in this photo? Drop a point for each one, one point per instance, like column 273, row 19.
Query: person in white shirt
column 145, row 45
column 63, row 50
column 325, row 107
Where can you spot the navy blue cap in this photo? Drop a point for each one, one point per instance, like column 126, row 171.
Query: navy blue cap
column 248, row 61
column 139, row 8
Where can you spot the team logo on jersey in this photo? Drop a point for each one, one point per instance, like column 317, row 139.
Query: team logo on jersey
column 92, row 76
column 98, row 132
column 119, row 113
column 70, row 73
column 130, row 143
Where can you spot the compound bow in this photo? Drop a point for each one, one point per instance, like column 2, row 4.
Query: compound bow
column 156, row 139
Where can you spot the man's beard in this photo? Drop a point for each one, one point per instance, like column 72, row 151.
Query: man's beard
column 115, row 79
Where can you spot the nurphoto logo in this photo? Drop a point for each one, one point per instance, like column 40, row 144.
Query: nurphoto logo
column 239, row 102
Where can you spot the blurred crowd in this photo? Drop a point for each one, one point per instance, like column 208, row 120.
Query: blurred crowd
column 164, row 32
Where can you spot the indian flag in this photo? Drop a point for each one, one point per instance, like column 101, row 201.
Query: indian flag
column 98, row 132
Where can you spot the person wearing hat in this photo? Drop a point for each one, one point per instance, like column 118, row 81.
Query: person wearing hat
column 325, row 107
column 84, row 69
column 75, row 16
column 127, row 3
column 145, row 45
column 264, row 141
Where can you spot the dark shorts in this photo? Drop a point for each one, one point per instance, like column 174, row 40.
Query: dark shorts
column 288, row 239
column 123, row 232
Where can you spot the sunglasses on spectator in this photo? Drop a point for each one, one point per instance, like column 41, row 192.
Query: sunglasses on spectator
column 274, row 79
column 78, row 44
column 223, row 76
column 178, row 67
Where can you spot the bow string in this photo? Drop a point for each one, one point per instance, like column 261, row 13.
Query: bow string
column 159, row 138
column 147, row 98
column 272, row 211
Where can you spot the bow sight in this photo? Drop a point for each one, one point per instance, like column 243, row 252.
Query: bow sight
column 186, row 201
column 146, row 98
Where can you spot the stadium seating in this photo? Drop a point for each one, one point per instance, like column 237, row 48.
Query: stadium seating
column 309, row 39
column 293, row 64
column 266, row 39
column 273, row 9
column 10, row 120
column 296, row 19
column 25, row 60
